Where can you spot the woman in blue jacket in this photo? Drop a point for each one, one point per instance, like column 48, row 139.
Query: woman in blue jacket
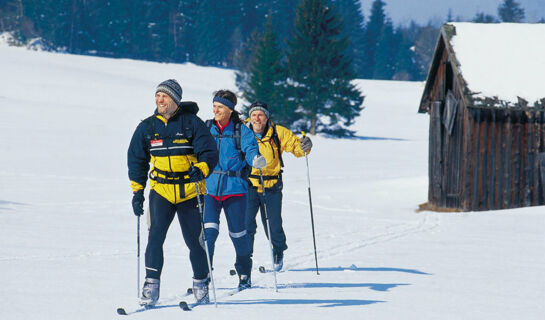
column 227, row 185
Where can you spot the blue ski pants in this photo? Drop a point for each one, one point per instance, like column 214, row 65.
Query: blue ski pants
column 235, row 209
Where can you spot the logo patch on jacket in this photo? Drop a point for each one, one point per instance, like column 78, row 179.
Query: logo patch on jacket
column 180, row 141
column 156, row 143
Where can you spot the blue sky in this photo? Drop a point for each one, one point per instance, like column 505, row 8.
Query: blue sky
column 402, row 11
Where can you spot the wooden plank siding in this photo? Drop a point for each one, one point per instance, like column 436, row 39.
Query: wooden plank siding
column 492, row 161
column 494, row 158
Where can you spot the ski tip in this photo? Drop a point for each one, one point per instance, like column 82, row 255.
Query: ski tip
column 232, row 272
column 121, row 311
column 184, row 306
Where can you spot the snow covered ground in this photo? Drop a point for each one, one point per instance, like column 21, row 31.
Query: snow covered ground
column 68, row 239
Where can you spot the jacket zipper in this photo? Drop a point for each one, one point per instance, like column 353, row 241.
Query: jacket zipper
column 170, row 167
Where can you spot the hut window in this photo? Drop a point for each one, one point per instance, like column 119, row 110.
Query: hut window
column 449, row 76
column 449, row 112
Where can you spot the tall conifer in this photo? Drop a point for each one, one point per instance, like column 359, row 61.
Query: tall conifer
column 510, row 11
column 265, row 78
column 320, row 73
column 373, row 33
column 354, row 29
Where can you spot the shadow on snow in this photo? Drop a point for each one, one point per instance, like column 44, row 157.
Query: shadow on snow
column 324, row 303
column 372, row 286
column 9, row 205
column 374, row 138
column 353, row 268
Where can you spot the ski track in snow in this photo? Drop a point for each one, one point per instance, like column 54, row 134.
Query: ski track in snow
column 395, row 231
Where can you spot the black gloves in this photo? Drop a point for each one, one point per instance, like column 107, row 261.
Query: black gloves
column 306, row 144
column 138, row 203
column 195, row 174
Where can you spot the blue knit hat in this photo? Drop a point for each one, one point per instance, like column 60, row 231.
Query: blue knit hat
column 172, row 88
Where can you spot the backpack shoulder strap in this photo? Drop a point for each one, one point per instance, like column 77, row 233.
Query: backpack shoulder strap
column 278, row 145
column 238, row 137
column 187, row 124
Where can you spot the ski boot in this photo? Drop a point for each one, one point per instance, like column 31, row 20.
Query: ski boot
column 200, row 291
column 150, row 292
column 244, row 282
column 278, row 260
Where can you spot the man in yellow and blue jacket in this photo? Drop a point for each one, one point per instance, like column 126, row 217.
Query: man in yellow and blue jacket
column 272, row 140
column 182, row 152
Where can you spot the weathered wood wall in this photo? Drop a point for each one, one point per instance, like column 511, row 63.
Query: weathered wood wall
column 504, row 147
column 490, row 160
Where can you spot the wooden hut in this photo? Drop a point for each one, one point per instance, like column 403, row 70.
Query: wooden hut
column 485, row 94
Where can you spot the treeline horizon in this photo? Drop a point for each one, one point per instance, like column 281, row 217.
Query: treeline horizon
column 222, row 34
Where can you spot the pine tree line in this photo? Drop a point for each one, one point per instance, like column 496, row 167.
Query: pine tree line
column 218, row 32
column 308, row 85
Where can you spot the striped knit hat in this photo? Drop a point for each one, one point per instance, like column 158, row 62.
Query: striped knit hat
column 261, row 106
column 172, row 88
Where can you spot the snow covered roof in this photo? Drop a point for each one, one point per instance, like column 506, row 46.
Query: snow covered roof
column 506, row 60
column 500, row 61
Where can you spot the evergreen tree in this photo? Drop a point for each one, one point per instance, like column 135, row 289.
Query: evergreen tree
column 51, row 20
column 386, row 53
column 265, row 79
column 481, row 17
column 207, row 50
column 425, row 39
column 450, row 17
column 320, row 74
column 354, row 29
column 187, row 34
column 510, row 11
column 406, row 67
column 283, row 13
column 373, row 33
column 136, row 32
column 12, row 18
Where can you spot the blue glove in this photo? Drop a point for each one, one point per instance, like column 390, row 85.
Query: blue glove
column 138, row 203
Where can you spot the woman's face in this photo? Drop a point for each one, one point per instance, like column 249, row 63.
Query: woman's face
column 222, row 113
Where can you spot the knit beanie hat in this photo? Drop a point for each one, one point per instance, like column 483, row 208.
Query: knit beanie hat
column 172, row 88
column 261, row 106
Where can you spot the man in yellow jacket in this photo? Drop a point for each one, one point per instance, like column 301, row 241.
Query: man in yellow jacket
column 272, row 140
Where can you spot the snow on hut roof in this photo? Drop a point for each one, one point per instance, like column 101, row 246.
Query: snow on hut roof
column 504, row 60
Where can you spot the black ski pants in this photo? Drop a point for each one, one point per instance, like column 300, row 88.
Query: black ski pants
column 256, row 202
column 162, row 213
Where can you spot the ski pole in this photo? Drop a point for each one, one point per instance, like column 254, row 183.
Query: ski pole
column 268, row 226
column 138, row 257
column 311, row 214
column 206, row 243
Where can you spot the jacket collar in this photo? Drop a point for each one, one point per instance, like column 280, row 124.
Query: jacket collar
column 160, row 117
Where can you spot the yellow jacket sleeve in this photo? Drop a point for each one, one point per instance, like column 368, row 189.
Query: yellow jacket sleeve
column 289, row 141
column 135, row 186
